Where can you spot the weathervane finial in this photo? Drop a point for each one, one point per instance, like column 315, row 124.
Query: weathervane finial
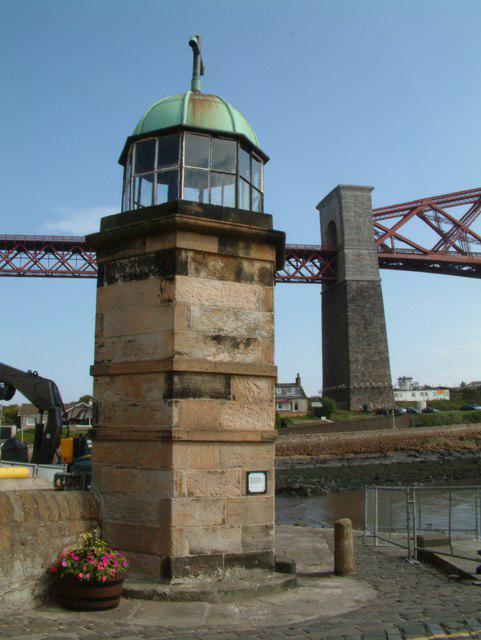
column 198, row 68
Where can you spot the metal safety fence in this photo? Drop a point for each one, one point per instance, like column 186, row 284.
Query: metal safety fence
column 399, row 515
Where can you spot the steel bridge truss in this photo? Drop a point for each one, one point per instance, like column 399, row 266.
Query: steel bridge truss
column 397, row 231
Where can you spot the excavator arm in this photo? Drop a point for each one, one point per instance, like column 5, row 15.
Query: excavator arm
column 43, row 394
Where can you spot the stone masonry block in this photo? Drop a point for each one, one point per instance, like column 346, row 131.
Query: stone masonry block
column 199, row 414
column 142, row 455
column 214, row 386
column 128, row 296
column 195, row 456
column 252, row 389
column 248, row 415
column 188, row 512
column 249, row 456
column 138, row 537
column 147, row 415
column 215, row 293
column 250, row 510
column 139, row 321
column 214, row 484
column 146, row 346
column 148, row 510
column 214, row 539
column 235, row 322
column 126, row 481
column 257, row 537
column 149, row 387
column 222, row 348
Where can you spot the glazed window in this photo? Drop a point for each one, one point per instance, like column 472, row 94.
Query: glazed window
column 192, row 166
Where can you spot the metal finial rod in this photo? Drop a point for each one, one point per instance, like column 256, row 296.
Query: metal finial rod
column 198, row 68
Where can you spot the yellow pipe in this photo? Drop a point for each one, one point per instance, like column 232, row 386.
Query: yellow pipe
column 14, row 472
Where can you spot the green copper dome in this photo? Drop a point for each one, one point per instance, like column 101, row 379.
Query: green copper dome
column 197, row 110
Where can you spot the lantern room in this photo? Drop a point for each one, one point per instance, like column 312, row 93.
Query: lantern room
column 196, row 147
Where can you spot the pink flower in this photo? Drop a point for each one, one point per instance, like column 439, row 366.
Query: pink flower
column 87, row 576
column 80, row 575
column 63, row 563
column 104, row 578
column 53, row 569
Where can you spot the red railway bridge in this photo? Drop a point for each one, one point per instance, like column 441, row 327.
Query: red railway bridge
column 456, row 249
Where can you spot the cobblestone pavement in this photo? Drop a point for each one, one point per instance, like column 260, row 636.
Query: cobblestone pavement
column 415, row 601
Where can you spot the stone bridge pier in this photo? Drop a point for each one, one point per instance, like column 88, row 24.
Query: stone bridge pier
column 355, row 356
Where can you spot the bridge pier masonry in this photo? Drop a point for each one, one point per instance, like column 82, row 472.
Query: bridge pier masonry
column 355, row 355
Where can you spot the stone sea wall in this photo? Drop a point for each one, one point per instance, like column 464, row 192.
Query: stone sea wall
column 35, row 525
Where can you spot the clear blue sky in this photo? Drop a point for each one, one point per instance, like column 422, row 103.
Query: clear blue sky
column 364, row 92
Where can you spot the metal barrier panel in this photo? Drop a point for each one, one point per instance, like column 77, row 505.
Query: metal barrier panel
column 396, row 515
column 46, row 471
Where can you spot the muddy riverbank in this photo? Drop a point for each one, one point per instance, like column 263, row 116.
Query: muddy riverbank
column 321, row 476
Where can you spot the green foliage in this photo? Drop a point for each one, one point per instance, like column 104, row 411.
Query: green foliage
column 445, row 418
column 327, row 409
column 91, row 561
column 10, row 413
column 281, row 422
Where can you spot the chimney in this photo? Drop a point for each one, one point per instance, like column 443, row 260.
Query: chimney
column 298, row 380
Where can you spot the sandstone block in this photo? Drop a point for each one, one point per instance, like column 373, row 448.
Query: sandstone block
column 250, row 456
column 213, row 484
column 192, row 456
column 188, row 512
column 146, row 346
column 134, row 482
column 137, row 537
column 263, row 252
column 128, row 295
column 166, row 240
column 135, row 414
column 248, row 415
column 215, row 293
column 201, row 385
column 141, row 387
column 142, row 455
column 257, row 537
column 252, row 389
column 250, row 510
column 266, row 295
column 197, row 241
column 144, row 564
column 134, row 322
column 223, row 348
column 145, row 509
column 234, row 322
column 214, row 539
column 198, row 414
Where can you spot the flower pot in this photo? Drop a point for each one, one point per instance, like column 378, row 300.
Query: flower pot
column 82, row 595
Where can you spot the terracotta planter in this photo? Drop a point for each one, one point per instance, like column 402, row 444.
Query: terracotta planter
column 80, row 595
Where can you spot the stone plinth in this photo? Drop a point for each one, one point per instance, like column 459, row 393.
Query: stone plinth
column 355, row 356
column 184, row 383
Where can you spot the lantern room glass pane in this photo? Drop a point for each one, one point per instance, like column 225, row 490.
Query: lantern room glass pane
column 143, row 191
column 222, row 189
column 168, row 151
column 196, row 185
column 256, row 173
column 126, row 200
column 223, row 155
column 167, row 186
column 256, row 200
column 244, row 164
column 244, row 199
column 144, row 156
column 197, row 150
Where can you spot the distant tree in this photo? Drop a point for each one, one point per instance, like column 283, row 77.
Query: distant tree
column 327, row 409
column 86, row 398
column 462, row 385
column 10, row 413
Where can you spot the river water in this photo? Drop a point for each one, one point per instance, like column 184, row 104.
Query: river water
column 324, row 510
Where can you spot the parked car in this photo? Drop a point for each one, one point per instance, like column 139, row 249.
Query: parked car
column 413, row 410
column 399, row 411
column 430, row 410
column 471, row 407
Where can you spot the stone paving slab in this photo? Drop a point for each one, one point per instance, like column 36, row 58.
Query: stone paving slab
column 413, row 602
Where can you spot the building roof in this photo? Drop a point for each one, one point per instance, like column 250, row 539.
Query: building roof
column 28, row 409
column 474, row 383
column 298, row 395
column 197, row 110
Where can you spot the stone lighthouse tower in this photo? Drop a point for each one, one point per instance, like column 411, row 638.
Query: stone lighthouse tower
column 184, row 366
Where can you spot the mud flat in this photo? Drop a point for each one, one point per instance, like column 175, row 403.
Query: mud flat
column 306, row 476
